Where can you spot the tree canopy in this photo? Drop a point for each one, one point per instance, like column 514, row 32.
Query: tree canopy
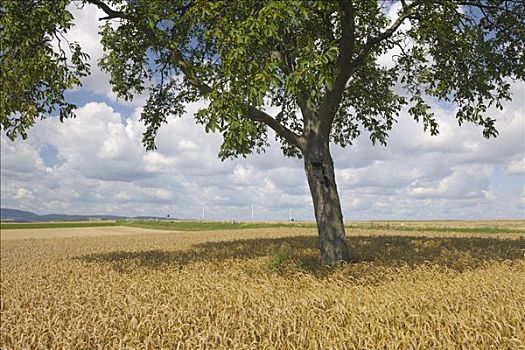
column 300, row 57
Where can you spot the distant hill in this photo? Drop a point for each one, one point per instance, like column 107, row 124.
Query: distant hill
column 17, row 215
column 7, row 214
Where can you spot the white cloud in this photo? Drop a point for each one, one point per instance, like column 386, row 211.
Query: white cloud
column 466, row 181
column 86, row 33
column 187, row 145
column 156, row 162
column 243, row 174
column 516, row 167
column 23, row 194
column 387, row 59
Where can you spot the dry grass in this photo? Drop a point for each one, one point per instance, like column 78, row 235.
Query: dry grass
column 514, row 224
column 41, row 233
column 214, row 290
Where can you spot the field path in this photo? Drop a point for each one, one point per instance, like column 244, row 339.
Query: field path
column 40, row 233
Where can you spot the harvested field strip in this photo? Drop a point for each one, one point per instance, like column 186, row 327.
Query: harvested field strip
column 497, row 227
column 38, row 225
column 436, row 228
column 487, row 227
column 43, row 233
column 191, row 290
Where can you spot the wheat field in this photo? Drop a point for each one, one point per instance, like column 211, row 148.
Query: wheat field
column 262, row 289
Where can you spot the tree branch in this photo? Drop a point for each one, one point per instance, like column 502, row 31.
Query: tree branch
column 371, row 43
column 287, row 65
column 263, row 117
column 480, row 5
column 343, row 70
column 188, row 72
column 346, row 45
column 111, row 14
column 252, row 112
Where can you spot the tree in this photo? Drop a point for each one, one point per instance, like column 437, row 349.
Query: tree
column 316, row 61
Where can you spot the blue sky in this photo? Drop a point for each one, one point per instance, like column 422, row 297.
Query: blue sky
column 96, row 164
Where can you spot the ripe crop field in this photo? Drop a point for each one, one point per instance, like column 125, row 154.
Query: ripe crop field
column 460, row 287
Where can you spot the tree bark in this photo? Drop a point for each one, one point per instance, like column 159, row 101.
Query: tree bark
column 319, row 169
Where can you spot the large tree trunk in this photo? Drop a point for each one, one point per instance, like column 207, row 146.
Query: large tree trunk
column 319, row 169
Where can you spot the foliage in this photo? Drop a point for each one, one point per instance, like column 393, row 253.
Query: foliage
column 282, row 259
column 37, row 63
column 317, row 62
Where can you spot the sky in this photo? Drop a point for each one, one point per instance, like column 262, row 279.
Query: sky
column 96, row 164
